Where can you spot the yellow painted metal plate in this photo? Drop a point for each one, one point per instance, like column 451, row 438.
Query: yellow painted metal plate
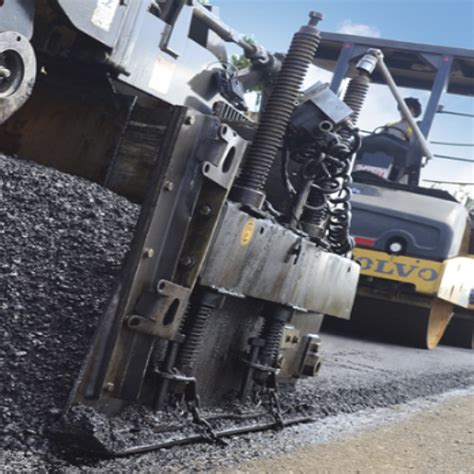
column 247, row 232
column 423, row 274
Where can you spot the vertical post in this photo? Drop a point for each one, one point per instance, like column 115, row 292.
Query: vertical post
column 439, row 86
column 342, row 66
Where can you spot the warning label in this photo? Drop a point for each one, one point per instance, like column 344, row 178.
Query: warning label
column 104, row 13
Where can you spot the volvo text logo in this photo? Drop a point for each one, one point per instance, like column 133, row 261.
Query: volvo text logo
column 404, row 270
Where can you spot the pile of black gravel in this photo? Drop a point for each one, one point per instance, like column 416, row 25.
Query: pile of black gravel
column 62, row 243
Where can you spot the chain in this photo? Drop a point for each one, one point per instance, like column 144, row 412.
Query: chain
column 193, row 402
column 274, row 400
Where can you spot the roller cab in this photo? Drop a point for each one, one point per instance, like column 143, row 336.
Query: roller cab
column 410, row 260
column 412, row 242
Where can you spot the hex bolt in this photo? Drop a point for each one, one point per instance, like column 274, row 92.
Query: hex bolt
column 4, row 72
column 169, row 186
column 205, row 210
column 109, row 387
column 149, row 253
column 315, row 18
column 187, row 261
column 189, row 120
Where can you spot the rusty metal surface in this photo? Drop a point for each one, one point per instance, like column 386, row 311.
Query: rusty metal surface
column 66, row 127
column 260, row 258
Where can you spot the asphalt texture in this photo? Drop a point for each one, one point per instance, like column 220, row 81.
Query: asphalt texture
column 63, row 240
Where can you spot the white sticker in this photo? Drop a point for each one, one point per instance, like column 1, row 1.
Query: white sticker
column 162, row 75
column 104, row 13
column 377, row 170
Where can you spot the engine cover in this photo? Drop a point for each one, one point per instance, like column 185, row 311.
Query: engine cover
column 426, row 226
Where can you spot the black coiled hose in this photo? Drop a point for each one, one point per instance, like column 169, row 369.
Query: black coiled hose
column 326, row 182
column 281, row 103
column 340, row 217
column 316, row 208
column 328, row 204
column 326, row 215
column 340, row 214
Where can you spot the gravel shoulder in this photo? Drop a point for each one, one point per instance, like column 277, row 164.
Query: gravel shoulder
column 436, row 440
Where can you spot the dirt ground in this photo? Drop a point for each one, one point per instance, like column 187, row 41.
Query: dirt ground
column 439, row 440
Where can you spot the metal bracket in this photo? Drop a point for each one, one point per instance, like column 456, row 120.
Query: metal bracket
column 310, row 361
column 175, row 35
column 162, row 310
column 223, row 173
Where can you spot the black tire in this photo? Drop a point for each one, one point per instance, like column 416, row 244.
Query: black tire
column 395, row 322
column 460, row 333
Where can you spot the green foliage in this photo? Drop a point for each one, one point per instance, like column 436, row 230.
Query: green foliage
column 240, row 61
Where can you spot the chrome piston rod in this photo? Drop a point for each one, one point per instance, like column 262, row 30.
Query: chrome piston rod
column 229, row 35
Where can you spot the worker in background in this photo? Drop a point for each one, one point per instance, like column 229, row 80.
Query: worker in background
column 402, row 129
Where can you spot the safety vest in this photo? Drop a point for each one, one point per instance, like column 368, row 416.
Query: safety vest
column 402, row 130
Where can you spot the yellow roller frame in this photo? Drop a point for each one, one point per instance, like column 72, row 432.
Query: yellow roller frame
column 451, row 280
column 423, row 274
column 449, row 283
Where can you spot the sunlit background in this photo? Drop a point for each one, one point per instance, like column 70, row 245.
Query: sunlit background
column 437, row 22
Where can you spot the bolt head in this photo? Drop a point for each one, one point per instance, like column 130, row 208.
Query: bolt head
column 315, row 18
column 4, row 72
column 149, row 253
column 187, row 261
column 205, row 210
column 109, row 387
column 169, row 185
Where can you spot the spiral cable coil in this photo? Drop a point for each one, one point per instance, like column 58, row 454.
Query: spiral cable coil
column 340, row 213
column 328, row 203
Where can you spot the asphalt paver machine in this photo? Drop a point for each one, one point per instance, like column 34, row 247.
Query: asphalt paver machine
column 414, row 244
column 221, row 296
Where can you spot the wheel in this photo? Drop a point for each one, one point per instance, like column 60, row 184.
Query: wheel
column 460, row 333
column 400, row 322
column 436, row 323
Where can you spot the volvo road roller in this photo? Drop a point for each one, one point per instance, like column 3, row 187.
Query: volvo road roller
column 413, row 243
